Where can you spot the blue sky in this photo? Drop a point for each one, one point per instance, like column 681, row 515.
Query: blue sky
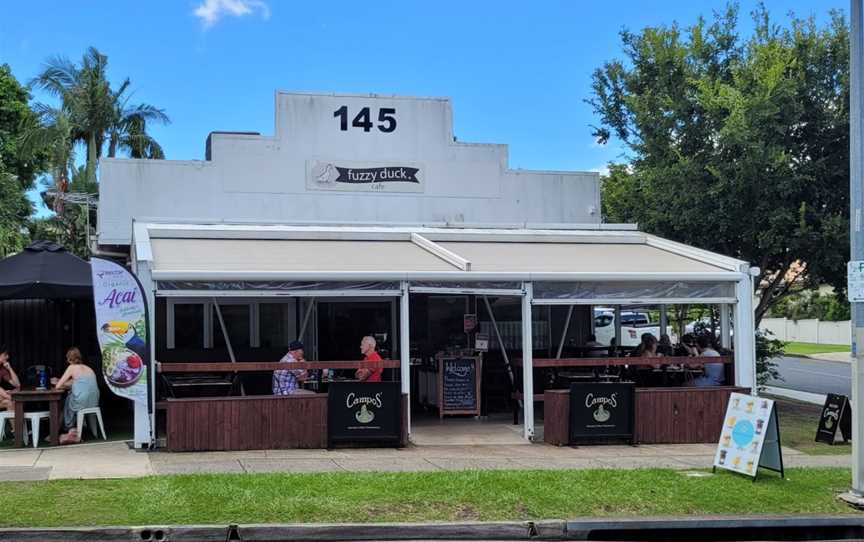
column 517, row 72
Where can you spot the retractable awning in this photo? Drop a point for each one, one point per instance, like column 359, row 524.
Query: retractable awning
column 563, row 267
column 328, row 260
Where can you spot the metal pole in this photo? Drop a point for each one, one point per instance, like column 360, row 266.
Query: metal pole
column 405, row 347
column 563, row 333
column 856, row 202
column 664, row 321
column 227, row 340
column 306, row 318
column 500, row 343
column 527, row 363
column 725, row 327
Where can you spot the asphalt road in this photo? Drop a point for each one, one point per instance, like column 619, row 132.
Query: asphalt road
column 814, row 376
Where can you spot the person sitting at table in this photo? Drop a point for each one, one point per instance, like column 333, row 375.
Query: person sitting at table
column 8, row 380
column 664, row 347
column 593, row 348
column 367, row 348
column 714, row 373
column 288, row 381
column 80, row 380
column 687, row 346
column 648, row 348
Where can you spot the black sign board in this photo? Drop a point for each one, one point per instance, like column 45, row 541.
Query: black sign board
column 364, row 412
column 459, row 382
column 835, row 414
column 600, row 411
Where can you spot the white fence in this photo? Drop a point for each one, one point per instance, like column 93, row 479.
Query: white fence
column 809, row 331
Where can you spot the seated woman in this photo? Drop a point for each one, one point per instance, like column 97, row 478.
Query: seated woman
column 715, row 373
column 648, row 348
column 80, row 380
column 8, row 380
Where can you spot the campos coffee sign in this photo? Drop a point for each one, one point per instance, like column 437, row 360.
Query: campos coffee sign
column 601, row 411
column 363, row 176
column 364, row 412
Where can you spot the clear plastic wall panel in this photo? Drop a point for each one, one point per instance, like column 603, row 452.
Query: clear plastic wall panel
column 511, row 334
column 274, row 285
column 461, row 285
column 630, row 291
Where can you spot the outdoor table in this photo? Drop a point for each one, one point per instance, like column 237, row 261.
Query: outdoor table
column 51, row 396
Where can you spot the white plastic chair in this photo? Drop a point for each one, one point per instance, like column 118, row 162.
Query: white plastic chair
column 35, row 419
column 8, row 416
column 98, row 413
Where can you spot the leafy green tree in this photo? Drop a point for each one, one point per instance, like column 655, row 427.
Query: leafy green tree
column 808, row 304
column 17, row 169
column 98, row 113
column 128, row 130
column 51, row 132
column 94, row 115
column 739, row 146
column 15, row 209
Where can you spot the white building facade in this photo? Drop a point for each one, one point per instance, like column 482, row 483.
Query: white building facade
column 377, row 190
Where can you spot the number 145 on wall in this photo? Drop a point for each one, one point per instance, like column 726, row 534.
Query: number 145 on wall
column 363, row 119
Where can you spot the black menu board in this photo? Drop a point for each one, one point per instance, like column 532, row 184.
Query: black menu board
column 835, row 414
column 601, row 411
column 364, row 412
column 459, row 386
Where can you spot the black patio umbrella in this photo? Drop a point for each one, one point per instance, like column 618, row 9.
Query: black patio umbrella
column 45, row 270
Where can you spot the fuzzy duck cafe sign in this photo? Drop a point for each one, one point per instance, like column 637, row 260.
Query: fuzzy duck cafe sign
column 363, row 177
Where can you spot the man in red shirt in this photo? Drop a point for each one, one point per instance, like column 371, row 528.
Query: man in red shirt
column 367, row 348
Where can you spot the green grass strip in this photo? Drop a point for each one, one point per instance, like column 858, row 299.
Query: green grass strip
column 814, row 348
column 434, row 496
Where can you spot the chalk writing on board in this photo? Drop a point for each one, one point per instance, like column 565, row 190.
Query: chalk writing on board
column 460, row 384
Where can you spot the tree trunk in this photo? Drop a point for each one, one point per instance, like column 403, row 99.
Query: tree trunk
column 112, row 146
column 91, row 155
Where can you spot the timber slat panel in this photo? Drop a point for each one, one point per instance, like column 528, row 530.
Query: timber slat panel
column 663, row 415
column 556, row 417
column 247, row 423
column 681, row 415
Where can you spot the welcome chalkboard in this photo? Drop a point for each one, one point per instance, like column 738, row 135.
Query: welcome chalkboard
column 835, row 414
column 459, row 386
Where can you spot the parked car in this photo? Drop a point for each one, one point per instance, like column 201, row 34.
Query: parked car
column 633, row 324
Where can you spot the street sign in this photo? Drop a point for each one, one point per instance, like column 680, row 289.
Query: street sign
column 855, row 281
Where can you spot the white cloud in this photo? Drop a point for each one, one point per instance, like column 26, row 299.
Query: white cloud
column 210, row 11
column 602, row 170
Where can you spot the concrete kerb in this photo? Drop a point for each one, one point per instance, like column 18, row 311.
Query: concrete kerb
column 836, row 527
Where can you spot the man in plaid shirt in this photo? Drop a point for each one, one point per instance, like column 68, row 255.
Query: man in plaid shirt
column 287, row 381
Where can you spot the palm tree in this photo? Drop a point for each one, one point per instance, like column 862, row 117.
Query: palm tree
column 53, row 133
column 85, row 95
column 97, row 112
column 128, row 130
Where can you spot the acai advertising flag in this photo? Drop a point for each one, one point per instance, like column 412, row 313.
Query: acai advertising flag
column 122, row 328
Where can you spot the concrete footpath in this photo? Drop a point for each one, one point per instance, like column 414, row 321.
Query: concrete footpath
column 117, row 460
column 845, row 357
